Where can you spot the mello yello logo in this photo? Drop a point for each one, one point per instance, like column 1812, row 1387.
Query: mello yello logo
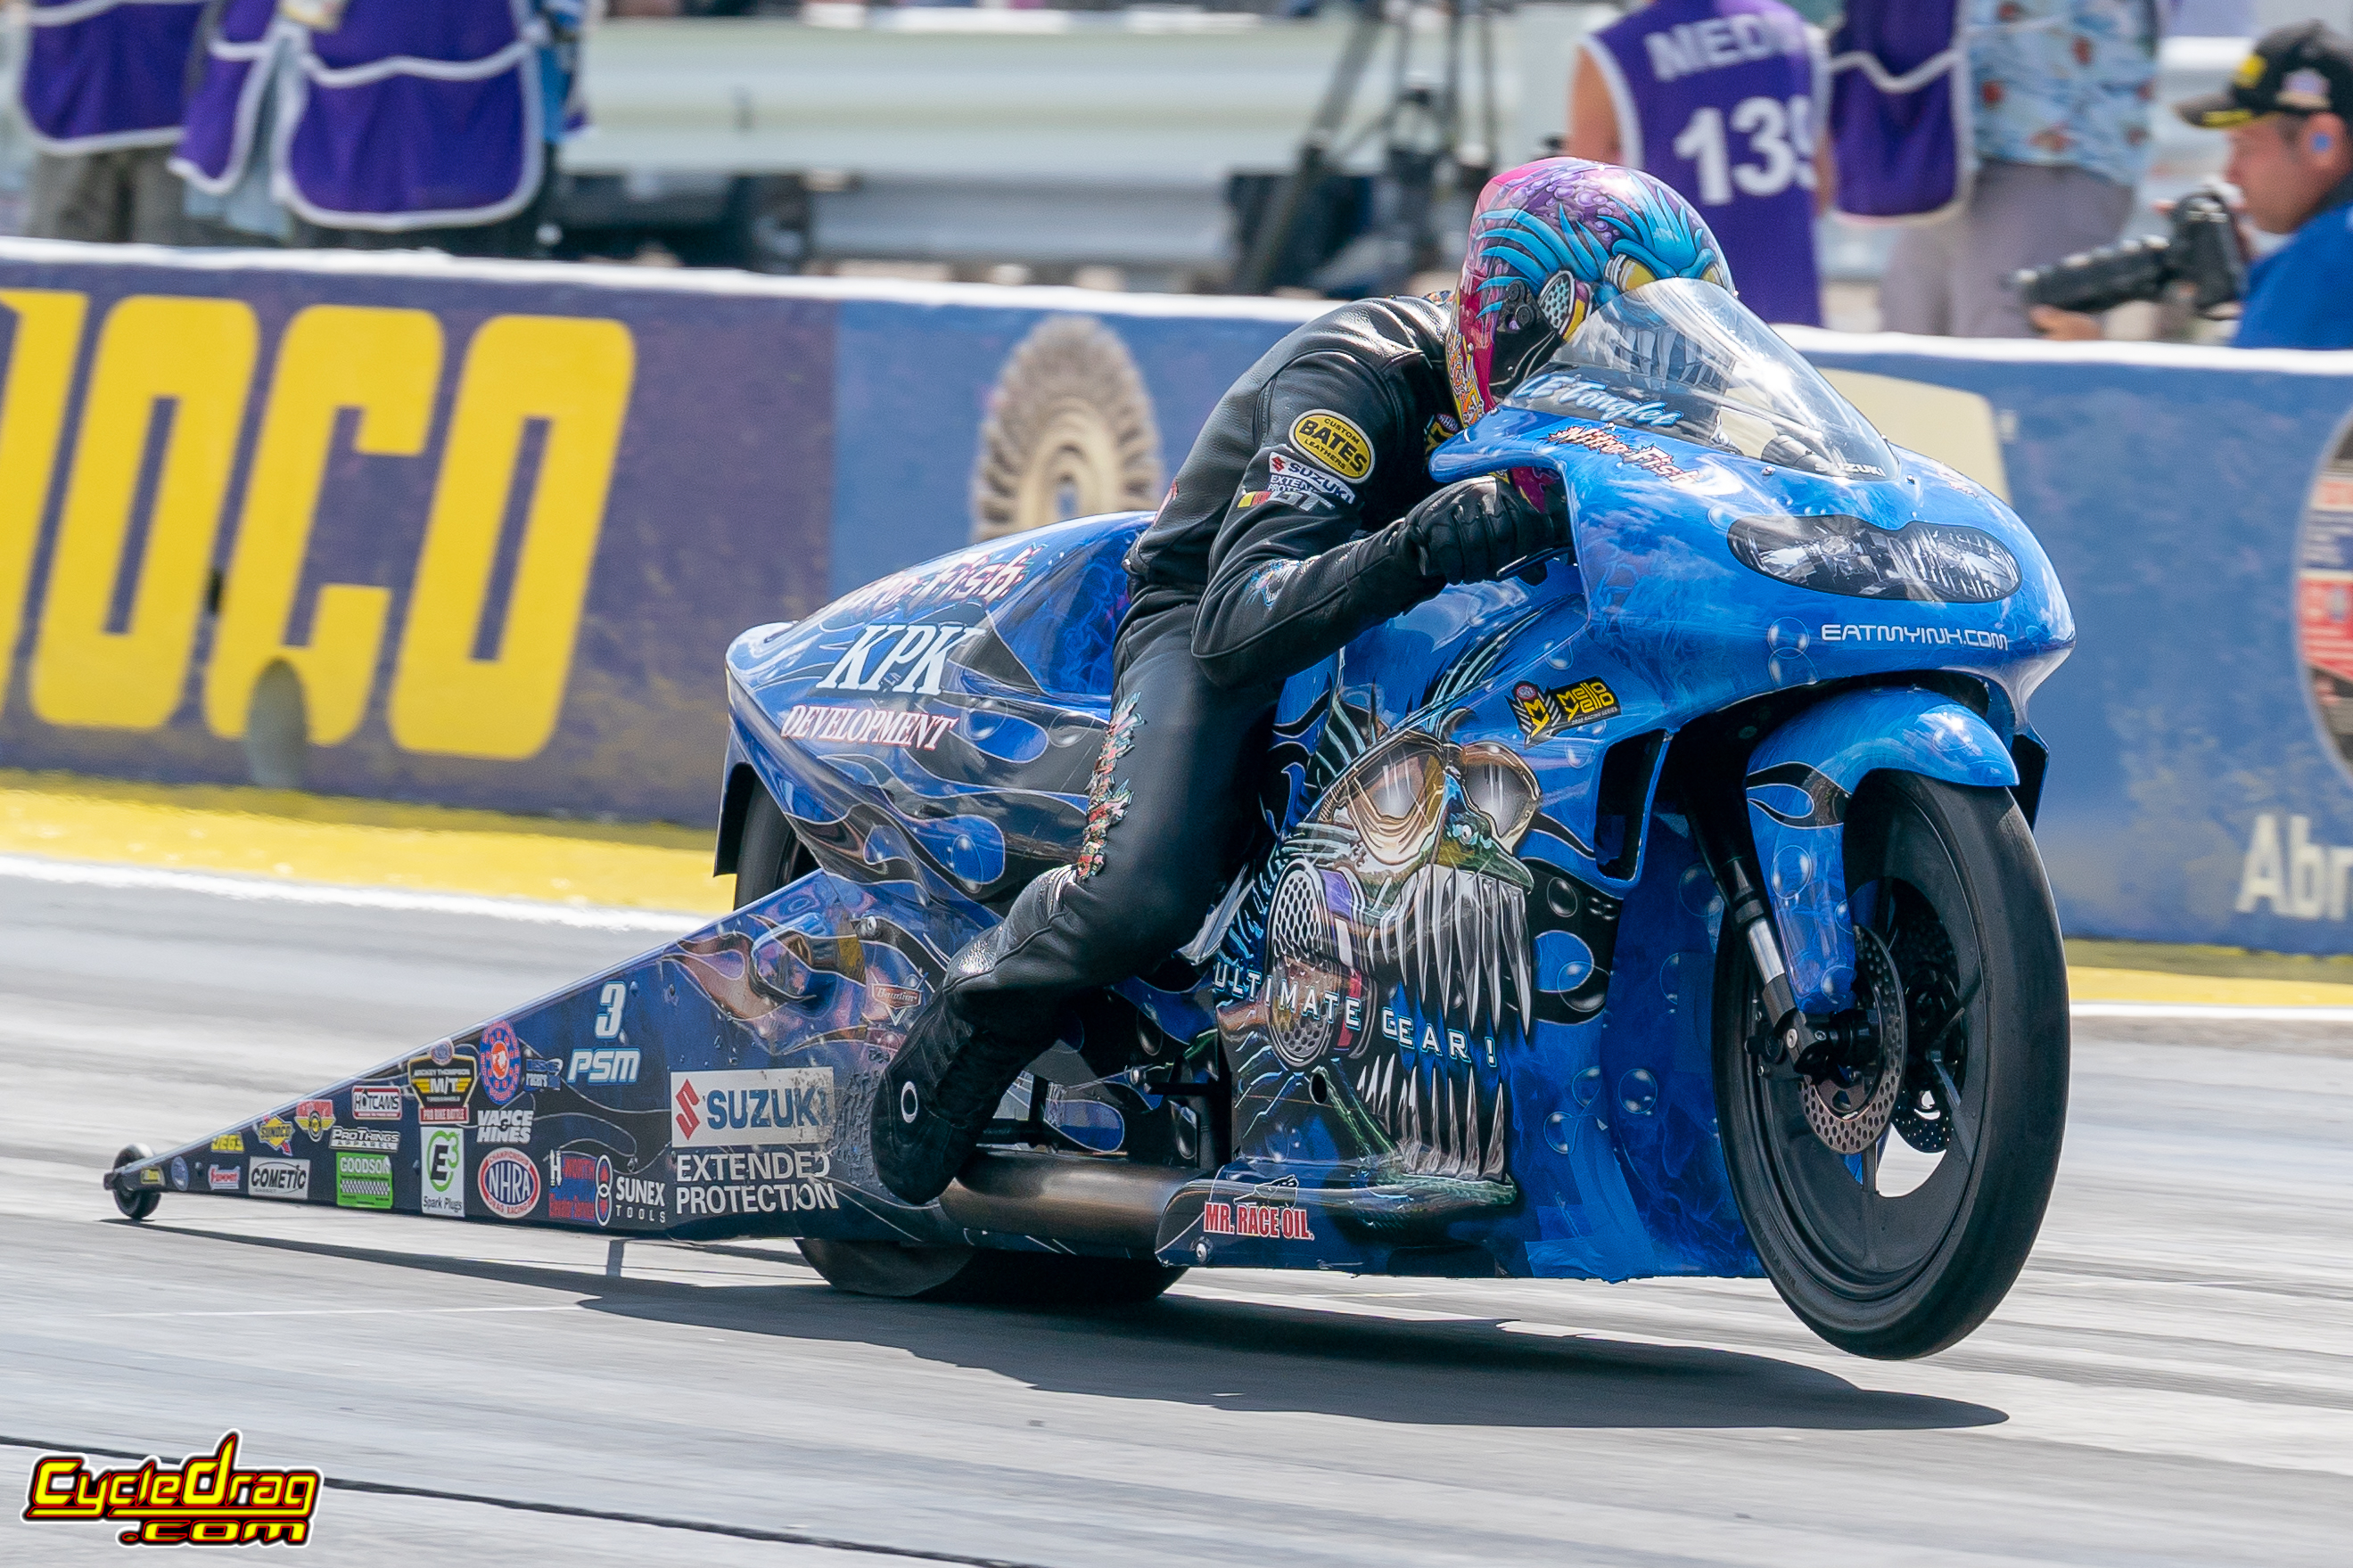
column 159, row 424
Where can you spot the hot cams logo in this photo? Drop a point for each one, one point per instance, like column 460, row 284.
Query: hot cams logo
column 203, row 1501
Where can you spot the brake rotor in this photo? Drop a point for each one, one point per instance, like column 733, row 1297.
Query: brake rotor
column 1850, row 1117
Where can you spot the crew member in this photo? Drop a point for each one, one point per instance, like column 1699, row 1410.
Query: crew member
column 2292, row 159
column 1305, row 515
column 103, row 90
column 1721, row 99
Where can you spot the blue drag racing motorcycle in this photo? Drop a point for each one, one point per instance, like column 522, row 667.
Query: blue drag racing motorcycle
column 1675, row 914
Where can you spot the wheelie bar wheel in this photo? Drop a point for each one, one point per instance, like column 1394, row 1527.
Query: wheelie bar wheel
column 1902, row 1246
column 136, row 1205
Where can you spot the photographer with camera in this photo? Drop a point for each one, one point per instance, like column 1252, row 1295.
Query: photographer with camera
column 2292, row 159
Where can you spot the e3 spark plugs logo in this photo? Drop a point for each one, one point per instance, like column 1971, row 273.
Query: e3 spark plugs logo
column 203, row 1501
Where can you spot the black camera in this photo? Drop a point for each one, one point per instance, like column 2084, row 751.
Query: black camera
column 2202, row 251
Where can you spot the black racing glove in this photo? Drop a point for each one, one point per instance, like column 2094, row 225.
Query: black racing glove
column 1469, row 532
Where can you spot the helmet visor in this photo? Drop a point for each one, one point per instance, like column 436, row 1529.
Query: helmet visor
column 1681, row 357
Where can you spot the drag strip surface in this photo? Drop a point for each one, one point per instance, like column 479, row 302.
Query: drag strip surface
column 2171, row 1383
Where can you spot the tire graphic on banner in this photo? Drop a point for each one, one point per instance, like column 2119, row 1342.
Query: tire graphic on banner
column 1070, row 432
column 2324, row 595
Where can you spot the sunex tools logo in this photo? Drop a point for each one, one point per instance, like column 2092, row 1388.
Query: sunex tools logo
column 772, row 1105
column 203, row 1501
column 509, row 1183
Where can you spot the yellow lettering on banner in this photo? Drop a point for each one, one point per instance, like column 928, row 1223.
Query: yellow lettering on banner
column 32, row 411
column 576, row 376
column 385, row 364
column 198, row 355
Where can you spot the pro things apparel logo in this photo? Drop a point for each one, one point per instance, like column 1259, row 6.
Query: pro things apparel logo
column 203, row 1501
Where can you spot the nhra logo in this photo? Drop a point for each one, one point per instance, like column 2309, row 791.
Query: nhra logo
column 773, row 1105
column 502, row 1058
column 375, row 1102
column 509, row 1183
column 580, row 1188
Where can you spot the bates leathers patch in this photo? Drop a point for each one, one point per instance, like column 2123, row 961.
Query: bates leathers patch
column 1334, row 441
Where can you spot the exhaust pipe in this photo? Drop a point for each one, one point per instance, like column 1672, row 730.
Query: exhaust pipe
column 1098, row 1203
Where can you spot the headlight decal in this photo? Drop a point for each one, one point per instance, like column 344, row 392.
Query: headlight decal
column 1926, row 562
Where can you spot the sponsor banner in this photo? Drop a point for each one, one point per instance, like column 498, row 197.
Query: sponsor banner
column 767, row 1106
column 441, row 1173
column 377, row 1140
column 442, row 1078
column 745, row 1181
column 224, row 1179
column 287, row 1179
column 662, row 446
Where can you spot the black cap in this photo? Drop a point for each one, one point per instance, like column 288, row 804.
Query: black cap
column 2301, row 69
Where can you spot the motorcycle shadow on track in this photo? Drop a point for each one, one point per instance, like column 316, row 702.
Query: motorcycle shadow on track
column 1469, row 1372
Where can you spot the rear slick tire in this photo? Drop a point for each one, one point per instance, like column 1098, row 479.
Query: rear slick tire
column 771, row 857
column 1949, row 878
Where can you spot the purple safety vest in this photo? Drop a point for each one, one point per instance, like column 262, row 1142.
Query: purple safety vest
column 410, row 114
column 1900, row 109
column 1718, row 99
column 100, row 73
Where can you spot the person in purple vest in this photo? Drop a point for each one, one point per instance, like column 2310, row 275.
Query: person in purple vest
column 102, row 91
column 379, row 123
column 1720, row 100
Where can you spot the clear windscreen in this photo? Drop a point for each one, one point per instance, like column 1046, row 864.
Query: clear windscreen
column 1681, row 358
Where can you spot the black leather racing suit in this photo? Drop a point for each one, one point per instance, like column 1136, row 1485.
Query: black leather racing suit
column 1267, row 556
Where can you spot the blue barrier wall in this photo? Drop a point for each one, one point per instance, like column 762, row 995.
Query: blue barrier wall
column 499, row 521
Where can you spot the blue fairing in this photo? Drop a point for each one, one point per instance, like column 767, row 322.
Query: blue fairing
column 1464, row 999
column 1800, row 780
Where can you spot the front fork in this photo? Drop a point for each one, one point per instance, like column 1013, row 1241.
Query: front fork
column 1746, row 911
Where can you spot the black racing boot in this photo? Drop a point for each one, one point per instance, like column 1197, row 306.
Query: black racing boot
column 935, row 1098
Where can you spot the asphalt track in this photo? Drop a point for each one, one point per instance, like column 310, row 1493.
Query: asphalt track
column 2172, row 1382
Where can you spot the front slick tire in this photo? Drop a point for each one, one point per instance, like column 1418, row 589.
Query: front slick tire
column 1903, row 1250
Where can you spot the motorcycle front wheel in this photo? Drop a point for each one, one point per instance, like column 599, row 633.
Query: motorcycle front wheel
column 1904, row 1246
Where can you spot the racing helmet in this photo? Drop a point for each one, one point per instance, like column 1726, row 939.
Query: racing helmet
column 1552, row 242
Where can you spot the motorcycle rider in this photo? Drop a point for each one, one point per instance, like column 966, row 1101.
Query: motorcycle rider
column 1305, row 515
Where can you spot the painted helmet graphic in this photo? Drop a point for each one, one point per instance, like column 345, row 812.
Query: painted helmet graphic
column 1552, row 242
